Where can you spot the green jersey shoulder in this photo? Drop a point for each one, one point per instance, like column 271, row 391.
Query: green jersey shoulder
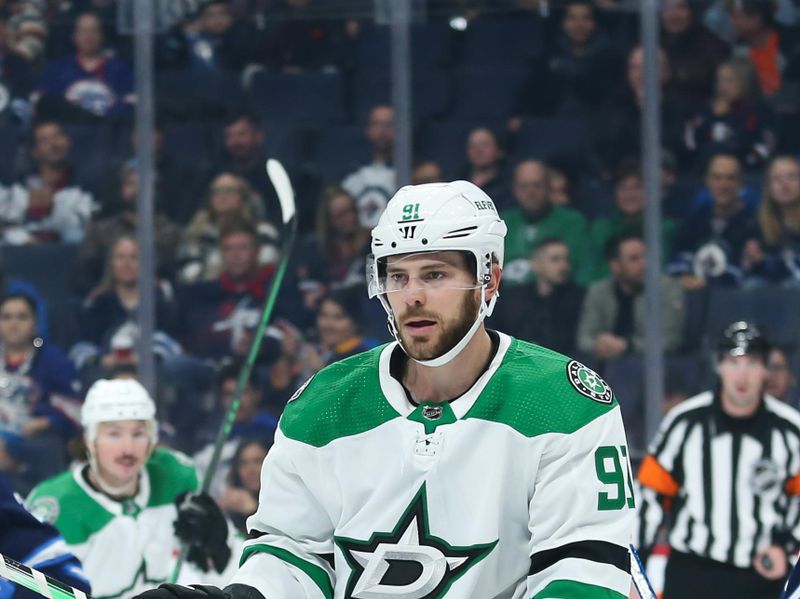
column 342, row 399
column 76, row 511
column 171, row 473
column 533, row 390
column 536, row 391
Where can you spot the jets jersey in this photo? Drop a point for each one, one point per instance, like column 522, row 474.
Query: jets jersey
column 35, row 544
column 126, row 547
column 520, row 488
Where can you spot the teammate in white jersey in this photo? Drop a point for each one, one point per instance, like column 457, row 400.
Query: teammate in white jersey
column 119, row 513
column 455, row 462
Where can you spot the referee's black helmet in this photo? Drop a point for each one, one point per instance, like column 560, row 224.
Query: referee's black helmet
column 742, row 338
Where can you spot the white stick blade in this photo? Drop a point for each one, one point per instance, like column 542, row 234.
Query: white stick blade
column 283, row 188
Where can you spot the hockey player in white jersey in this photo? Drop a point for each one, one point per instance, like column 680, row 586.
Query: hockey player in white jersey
column 119, row 513
column 454, row 462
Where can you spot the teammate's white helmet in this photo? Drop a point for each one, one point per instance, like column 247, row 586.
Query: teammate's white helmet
column 115, row 400
column 436, row 217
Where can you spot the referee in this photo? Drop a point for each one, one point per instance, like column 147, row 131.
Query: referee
column 723, row 475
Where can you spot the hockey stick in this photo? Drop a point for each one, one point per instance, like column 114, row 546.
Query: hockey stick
column 640, row 580
column 36, row 581
column 285, row 192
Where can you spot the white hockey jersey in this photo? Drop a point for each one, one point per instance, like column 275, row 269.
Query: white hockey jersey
column 520, row 488
column 126, row 547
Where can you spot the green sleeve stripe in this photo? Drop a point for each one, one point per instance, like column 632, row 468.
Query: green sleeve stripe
column 571, row 589
column 313, row 571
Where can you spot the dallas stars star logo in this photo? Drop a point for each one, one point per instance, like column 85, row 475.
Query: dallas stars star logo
column 409, row 562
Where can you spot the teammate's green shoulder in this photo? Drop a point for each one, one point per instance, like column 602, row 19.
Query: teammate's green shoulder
column 62, row 502
column 536, row 391
column 341, row 400
column 171, row 473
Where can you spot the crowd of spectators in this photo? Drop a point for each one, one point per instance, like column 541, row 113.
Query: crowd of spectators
column 548, row 125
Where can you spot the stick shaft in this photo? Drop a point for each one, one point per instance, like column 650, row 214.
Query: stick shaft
column 286, row 196
column 640, row 580
column 36, row 581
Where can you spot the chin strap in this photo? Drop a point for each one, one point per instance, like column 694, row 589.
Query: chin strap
column 484, row 311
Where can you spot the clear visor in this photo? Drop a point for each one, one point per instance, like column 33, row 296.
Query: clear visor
column 420, row 271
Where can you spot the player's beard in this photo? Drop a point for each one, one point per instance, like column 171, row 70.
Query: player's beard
column 452, row 331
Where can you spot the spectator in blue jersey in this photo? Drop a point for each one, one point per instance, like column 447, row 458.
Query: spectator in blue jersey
column 49, row 204
column 109, row 313
column 28, row 540
column 219, row 317
column 252, row 422
column 91, row 83
column 14, row 286
column 214, row 41
column 38, row 398
column 719, row 242
column 779, row 220
column 736, row 121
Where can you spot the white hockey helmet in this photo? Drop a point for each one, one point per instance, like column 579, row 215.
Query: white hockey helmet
column 115, row 400
column 436, row 217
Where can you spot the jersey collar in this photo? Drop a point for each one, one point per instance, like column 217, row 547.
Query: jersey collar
column 396, row 395
column 116, row 508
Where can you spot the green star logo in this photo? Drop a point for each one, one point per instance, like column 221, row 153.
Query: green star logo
column 587, row 382
column 409, row 562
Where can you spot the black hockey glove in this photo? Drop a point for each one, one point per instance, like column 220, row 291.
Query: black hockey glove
column 204, row 530
column 201, row 591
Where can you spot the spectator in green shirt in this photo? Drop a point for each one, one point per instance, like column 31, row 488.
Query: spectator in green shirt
column 536, row 218
column 628, row 218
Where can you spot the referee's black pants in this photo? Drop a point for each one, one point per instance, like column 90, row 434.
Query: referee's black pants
column 692, row 577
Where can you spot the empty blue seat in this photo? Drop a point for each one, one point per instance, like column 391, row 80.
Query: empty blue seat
column 562, row 140
column 92, row 151
column 197, row 95
column 339, row 150
column 307, row 98
column 431, row 45
column 284, row 141
column 502, row 41
column 486, row 92
column 190, row 144
column 430, row 92
column 774, row 309
column 10, row 141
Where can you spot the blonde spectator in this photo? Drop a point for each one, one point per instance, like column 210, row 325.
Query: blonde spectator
column 779, row 218
column 228, row 196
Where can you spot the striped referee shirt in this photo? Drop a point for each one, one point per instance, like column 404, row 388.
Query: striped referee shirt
column 730, row 486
